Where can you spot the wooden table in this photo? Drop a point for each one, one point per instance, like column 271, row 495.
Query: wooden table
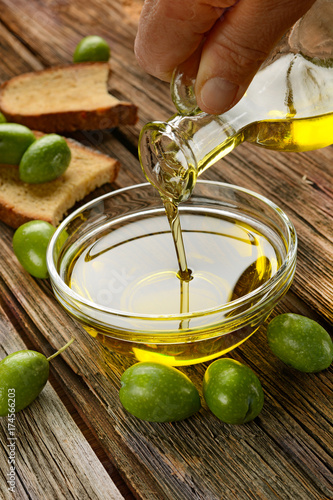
column 76, row 441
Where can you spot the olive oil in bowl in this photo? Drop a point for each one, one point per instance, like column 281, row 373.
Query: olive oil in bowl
column 117, row 272
column 139, row 274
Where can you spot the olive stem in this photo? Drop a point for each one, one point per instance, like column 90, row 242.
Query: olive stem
column 61, row 350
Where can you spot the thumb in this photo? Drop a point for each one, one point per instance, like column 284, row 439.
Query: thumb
column 236, row 47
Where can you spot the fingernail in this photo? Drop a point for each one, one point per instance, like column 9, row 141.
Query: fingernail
column 218, row 94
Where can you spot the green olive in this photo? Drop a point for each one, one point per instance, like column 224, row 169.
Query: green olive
column 45, row 160
column 232, row 391
column 91, row 48
column 23, row 375
column 300, row 342
column 158, row 393
column 15, row 139
column 30, row 242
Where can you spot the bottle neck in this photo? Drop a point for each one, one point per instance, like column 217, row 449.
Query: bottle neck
column 174, row 153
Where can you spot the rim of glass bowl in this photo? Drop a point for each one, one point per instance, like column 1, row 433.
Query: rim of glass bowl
column 284, row 269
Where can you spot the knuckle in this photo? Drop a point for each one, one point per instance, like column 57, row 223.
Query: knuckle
column 220, row 4
column 239, row 59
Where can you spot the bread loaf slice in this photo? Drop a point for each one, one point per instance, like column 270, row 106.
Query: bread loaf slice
column 65, row 99
column 50, row 201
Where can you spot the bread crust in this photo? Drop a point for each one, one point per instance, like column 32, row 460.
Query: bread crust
column 69, row 121
column 13, row 217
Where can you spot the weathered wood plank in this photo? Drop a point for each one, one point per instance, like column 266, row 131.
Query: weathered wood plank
column 190, row 458
column 46, row 439
column 286, row 452
column 276, row 175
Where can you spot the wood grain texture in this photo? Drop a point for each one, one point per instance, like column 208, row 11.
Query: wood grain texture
column 199, row 458
column 47, row 439
column 287, row 451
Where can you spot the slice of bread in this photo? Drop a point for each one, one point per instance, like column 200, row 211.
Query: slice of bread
column 65, row 99
column 50, row 201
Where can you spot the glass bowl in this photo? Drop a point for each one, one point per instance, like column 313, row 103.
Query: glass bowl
column 113, row 267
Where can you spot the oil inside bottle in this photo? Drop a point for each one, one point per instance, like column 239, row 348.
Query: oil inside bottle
column 288, row 107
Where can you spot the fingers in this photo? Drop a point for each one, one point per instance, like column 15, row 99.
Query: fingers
column 237, row 46
column 170, row 31
column 224, row 41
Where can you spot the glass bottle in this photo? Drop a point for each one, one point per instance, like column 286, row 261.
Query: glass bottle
column 287, row 107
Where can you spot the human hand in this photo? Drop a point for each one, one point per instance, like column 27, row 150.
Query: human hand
column 221, row 42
